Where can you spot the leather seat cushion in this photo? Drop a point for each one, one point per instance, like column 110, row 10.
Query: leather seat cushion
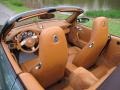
column 72, row 52
column 82, row 79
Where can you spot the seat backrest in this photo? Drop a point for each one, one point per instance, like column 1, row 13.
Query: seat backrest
column 53, row 54
column 99, row 37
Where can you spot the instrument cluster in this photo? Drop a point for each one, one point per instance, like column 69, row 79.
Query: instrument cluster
column 25, row 35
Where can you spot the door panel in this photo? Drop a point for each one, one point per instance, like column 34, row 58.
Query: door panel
column 84, row 33
column 79, row 35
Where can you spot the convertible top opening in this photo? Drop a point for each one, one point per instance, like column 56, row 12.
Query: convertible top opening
column 52, row 49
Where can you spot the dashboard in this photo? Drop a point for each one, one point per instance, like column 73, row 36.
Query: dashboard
column 37, row 26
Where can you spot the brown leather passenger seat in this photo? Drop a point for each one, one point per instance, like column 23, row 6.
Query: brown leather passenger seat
column 87, row 56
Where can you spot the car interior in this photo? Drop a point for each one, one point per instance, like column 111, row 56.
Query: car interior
column 49, row 53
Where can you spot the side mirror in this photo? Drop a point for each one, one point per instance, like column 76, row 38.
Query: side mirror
column 82, row 20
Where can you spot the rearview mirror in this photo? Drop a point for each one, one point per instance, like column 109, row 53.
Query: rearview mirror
column 82, row 20
column 46, row 16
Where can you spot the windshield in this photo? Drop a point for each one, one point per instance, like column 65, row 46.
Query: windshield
column 52, row 16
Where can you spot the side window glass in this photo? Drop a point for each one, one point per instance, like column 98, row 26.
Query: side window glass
column 7, row 74
column 2, row 81
column 17, row 86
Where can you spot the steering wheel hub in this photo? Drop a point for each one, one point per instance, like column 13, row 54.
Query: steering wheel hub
column 30, row 42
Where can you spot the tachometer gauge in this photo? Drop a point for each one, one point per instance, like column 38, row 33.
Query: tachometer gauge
column 30, row 33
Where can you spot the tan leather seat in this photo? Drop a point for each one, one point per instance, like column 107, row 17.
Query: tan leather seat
column 99, row 37
column 53, row 54
column 81, row 79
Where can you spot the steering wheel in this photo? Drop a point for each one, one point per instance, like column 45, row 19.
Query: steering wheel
column 28, row 41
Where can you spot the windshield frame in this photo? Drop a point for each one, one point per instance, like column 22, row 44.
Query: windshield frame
column 11, row 22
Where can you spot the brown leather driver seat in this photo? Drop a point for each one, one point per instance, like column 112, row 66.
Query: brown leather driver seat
column 53, row 54
column 99, row 37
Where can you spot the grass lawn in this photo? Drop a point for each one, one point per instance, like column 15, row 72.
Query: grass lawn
column 106, row 13
column 15, row 5
column 114, row 19
column 114, row 26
